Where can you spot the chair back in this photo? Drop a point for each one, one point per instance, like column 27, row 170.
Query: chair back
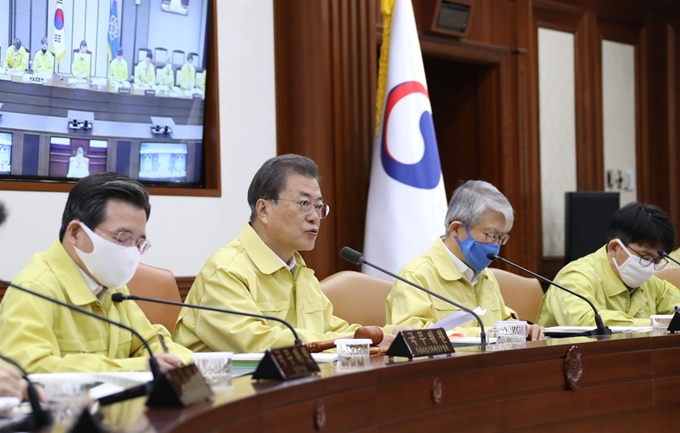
column 670, row 273
column 524, row 295
column 160, row 56
column 357, row 297
column 177, row 58
column 160, row 283
column 141, row 54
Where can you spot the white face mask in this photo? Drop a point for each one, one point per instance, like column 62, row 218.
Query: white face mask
column 110, row 264
column 632, row 273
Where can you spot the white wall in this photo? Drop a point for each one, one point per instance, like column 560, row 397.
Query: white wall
column 618, row 109
column 164, row 28
column 186, row 230
column 558, row 132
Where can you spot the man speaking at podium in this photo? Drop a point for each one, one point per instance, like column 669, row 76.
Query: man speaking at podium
column 261, row 271
column 102, row 235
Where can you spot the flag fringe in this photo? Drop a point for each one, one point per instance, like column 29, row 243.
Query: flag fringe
column 387, row 8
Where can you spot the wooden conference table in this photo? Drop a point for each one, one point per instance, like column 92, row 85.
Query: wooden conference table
column 623, row 383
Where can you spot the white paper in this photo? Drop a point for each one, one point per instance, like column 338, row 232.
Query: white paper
column 615, row 329
column 457, row 319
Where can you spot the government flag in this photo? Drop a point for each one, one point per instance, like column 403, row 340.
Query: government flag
column 406, row 200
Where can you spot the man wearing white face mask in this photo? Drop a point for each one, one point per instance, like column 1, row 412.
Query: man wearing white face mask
column 102, row 235
column 619, row 277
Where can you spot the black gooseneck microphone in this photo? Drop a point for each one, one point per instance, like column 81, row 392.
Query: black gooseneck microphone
column 119, row 297
column 356, row 258
column 39, row 416
column 153, row 362
column 600, row 328
column 665, row 255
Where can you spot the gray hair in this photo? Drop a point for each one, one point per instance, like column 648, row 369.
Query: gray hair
column 473, row 199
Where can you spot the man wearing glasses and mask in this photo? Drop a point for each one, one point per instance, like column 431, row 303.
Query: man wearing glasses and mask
column 619, row 277
column 102, row 235
column 477, row 223
column 262, row 272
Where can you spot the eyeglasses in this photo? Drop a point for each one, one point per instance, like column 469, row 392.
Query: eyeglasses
column 493, row 238
column 647, row 260
column 125, row 239
column 321, row 209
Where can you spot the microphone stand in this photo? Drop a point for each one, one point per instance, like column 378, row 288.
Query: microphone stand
column 600, row 328
column 153, row 362
column 39, row 416
column 357, row 258
column 119, row 297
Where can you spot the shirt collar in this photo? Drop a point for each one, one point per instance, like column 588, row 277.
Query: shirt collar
column 91, row 284
column 464, row 269
column 78, row 289
column 264, row 257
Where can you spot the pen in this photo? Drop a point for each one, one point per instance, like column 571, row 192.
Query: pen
column 165, row 346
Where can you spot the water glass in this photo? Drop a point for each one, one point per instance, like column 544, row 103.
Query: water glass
column 353, row 353
column 660, row 322
column 66, row 400
column 215, row 368
column 510, row 334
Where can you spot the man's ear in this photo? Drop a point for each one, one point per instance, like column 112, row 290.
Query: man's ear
column 612, row 247
column 71, row 233
column 454, row 228
column 262, row 210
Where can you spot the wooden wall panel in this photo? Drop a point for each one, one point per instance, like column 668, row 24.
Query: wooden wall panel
column 325, row 91
column 326, row 57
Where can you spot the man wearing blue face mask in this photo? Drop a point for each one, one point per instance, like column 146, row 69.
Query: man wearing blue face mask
column 102, row 235
column 619, row 277
column 477, row 223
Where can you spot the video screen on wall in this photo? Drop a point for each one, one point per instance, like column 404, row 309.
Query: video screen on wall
column 5, row 153
column 97, row 85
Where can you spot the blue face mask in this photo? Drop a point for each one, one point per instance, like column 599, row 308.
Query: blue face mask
column 474, row 253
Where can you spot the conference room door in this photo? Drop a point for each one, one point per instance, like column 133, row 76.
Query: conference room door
column 464, row 118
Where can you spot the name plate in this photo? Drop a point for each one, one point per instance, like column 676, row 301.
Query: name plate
column 420, row 342
column 122, row 89
column 179, row 387
column 674, row 326
column 150, row 92
column 285, row 363
column 5, row 77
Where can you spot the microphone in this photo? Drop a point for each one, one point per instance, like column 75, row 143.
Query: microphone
column 665, row 255
column 356, row 258
column 153, row 362
column 39, row 416
column 600, row 328
column 119, row 297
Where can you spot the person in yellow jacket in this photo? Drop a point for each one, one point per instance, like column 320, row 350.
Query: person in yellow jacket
column 262, row 272
column 145, row 72
column 188, row 74
column 477, row 222
column 118, row 68
column 43, row 60
column 81, row 62
column 16, row 58
column 102, row 235
column 12, row 383
column 166, row 76
column 619, row 277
